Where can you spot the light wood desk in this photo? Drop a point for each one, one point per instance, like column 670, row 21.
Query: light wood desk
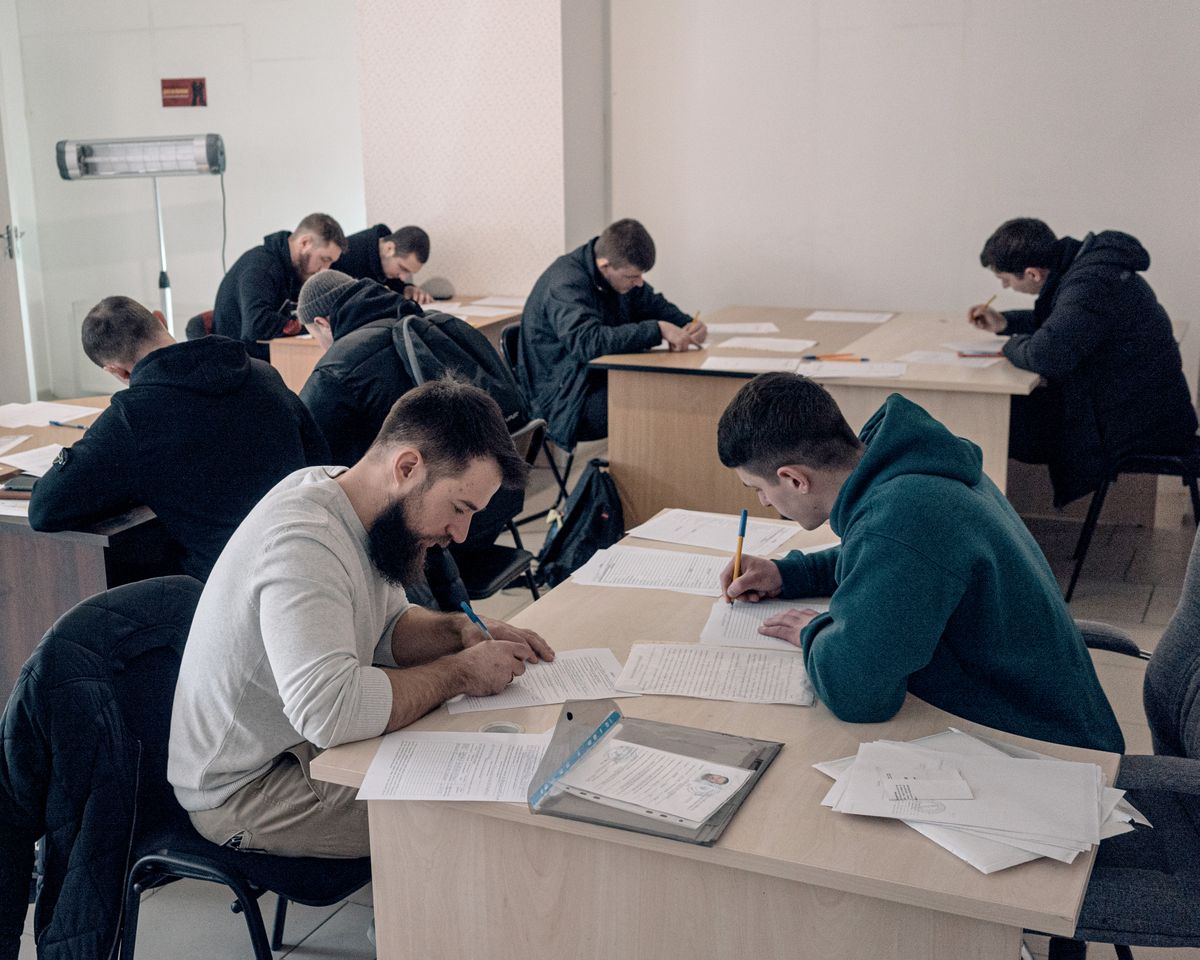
column 43, row 575
column 295, row 357
column 663, row 408
column 789, row 878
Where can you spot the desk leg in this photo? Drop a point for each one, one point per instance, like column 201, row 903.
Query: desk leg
column 451, row 883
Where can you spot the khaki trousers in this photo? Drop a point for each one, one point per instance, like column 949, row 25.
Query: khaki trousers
column 287, row 813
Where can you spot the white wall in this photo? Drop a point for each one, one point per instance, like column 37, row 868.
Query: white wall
column 463, row 133
column 282, row 91
column 586, row 98
column 857, row 153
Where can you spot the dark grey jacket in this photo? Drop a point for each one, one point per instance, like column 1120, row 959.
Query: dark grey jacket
column 571, row 317
column 1104, row 344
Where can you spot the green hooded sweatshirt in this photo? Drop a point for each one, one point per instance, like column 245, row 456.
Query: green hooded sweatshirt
column 939, row 589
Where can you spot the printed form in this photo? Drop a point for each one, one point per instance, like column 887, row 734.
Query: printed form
column 571, row 675
column 736, row 625
column 716, row 673
column 652, row 569
column 717, row 531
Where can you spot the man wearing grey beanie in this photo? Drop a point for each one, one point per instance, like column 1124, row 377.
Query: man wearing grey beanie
column 318, row 297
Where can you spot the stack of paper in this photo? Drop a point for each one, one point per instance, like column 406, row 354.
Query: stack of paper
column 650, row 569
column 716, row 530
column 40, row 413
column 736, row 624
column 571, row 675
column 992, row 804
column 716, row 673
column 949, row 358
column 36, row 461
column 848, row 316
column 979, row 346
column 773, row 344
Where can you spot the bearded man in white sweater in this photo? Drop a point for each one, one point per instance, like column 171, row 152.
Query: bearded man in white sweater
column 303, row 638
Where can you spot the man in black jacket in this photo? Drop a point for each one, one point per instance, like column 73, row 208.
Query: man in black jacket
column 388, row 257
column 1114, row 383
column 590, row 302
column 200, row 435
column 257, row 296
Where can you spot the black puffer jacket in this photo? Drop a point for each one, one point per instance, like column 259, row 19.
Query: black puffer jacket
column 253, row 298
column 70, row 761
column 1104, row 344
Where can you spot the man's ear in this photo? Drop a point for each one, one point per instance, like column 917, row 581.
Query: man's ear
column 1036, row 274
column 408, row 466
column 388, row 248
column 603, row 262
column 122, row 373
column 798, row 477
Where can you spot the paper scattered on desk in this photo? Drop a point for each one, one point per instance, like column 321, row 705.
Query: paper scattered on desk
column 14, row 508
column 948, row 358
column 510, row 303
column 588, row 674
column 36, row 461
column 444, row 765
column 7, row 443
column 716, row 673
column 1042, row 806
column 841, row 368
column 442, row 306
column 718, row 531
column 979, row 345
column 848, row 316
column 751, row 364
column 40, row 413
column 773, row 344
column 736, row 624
column 647, row 568
column 471, row 310
column 742, row 328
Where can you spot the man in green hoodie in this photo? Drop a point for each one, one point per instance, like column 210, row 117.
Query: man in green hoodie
column 937, row 588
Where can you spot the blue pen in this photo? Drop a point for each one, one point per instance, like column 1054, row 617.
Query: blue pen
column 474, row 617
column 73, row 426
column 839, row 357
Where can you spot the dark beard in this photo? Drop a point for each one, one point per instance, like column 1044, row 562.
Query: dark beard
column 396, row 552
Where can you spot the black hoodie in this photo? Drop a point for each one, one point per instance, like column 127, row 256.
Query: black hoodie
column 252, row 296
column 362, row 261
column 200, row 435
column 1104, row 344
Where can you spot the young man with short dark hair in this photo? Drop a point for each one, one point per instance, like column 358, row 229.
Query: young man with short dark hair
column 591, row 302
column 1104, row 345
column 200, row 435
column 390, row 257
column 256, row 298
column 303, row 638
column 937, row 587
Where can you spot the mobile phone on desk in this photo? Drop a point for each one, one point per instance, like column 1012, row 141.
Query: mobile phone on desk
column 21, row 483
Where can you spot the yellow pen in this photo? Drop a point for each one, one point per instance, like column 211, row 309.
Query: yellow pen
column 737, row 555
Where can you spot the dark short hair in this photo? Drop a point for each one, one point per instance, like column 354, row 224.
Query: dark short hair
column 626, row 243
column 410, row 240
column 779, row 419
column 324, row 228
column 116, row 328
column 452, row 423
column 1017, row 244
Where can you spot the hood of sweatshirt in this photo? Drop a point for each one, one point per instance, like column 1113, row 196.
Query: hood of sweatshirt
column 361, row 303
column 903, row 441
column 210, row 366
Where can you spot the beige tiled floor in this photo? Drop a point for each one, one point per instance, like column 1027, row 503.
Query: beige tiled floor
column 1132, row 579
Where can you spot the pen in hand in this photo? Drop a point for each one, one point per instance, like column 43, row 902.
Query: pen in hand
column 474, row 618
column 73, row 426
column 737, row 554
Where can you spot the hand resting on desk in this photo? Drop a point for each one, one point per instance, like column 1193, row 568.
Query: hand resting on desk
column 787, row 625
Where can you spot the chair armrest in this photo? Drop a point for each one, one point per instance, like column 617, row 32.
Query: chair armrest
column 1101, row 636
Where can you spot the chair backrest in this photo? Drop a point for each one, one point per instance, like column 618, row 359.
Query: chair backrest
column 1171, row 692
column 528, row 440
column 510, row 346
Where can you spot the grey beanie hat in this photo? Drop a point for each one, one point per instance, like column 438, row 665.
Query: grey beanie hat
column 319, row 293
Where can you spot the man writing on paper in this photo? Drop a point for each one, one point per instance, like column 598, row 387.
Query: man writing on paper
column 937, row 587
column 388, row 257
column 591, row 302
column 303, row 638
column 1114, row 383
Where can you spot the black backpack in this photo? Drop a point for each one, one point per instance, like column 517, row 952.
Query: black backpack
column 591, row 520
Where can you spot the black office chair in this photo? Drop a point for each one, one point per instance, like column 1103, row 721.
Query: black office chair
column 1145, row 885
column 1185, row 465
column 488, row 569
column 510, row 347
column 101, row 685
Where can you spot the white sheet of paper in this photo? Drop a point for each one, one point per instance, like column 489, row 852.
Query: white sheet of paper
column 40, row 413
column 716, row 673
column 948, row 358
column 665, row 347
column 653, row 782
column 509, row 302
column 773, row 344
column 751, row 364
column 443, row 306
column 924, row 780
column 647, row 568
column 7, row 443
column 36, row 461
column 442, row 765
column 717, row 531
column 588, row 674
column 736, row 625
column 742, row 328
column 848, row 316
column 980, row 344
column 470, row 310
column 840, row 368
column 14, row 508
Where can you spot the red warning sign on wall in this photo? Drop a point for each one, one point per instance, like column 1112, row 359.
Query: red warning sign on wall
column 184, row 92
